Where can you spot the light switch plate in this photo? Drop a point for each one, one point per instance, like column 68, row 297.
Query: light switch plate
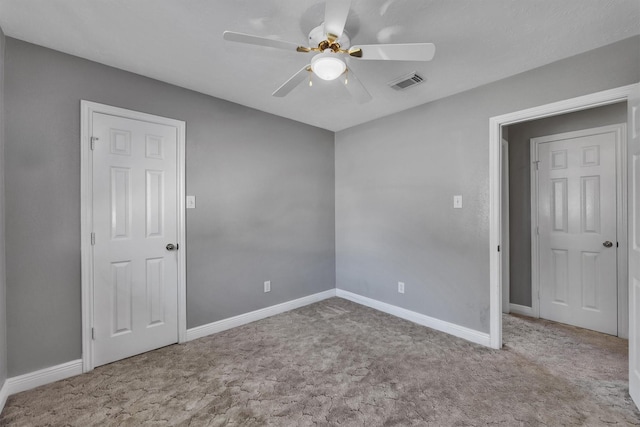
column 191, row 202
column 457, row 202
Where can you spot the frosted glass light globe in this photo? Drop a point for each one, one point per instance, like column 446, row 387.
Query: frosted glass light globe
column 327, row 65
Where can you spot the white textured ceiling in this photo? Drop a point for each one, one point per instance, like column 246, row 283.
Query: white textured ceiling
column 180, row 42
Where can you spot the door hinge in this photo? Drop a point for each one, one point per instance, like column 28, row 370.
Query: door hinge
column 536, row 162
column 537, row 230
column 498, row 248
column 93, row 333
column 617, row 244
column 93, row 142
column 93, row 239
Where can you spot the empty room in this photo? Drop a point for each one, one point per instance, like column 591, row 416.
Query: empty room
column 334, row 212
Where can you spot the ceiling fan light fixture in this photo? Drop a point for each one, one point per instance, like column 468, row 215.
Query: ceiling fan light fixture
column 327, row 65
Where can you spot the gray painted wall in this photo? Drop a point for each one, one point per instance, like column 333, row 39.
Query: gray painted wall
column 264, row 188
column 520, row 184
column 3, row 305
column 396, row 177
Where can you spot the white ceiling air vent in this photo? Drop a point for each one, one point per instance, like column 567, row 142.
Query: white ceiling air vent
column 406, row 81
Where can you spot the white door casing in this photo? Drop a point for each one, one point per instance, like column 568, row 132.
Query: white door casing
column 633, row 158
column 133, row 192
column 575, row 217
column 505, row 229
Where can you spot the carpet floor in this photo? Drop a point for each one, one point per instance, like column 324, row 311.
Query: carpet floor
column 339, row 363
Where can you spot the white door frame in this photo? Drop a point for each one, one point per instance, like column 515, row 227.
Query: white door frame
column 87, row 109
column 606, row 97
column 621, row 224
column 506, row 261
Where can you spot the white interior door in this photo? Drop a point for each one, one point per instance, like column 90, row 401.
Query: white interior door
column 135, row 281
column 577, row 239
column 634, row 243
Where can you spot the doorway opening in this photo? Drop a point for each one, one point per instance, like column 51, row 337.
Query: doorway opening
column 629, row 94
column 563, row 187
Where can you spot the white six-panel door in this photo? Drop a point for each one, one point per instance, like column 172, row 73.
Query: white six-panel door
column 577, row 237
column 135, row 276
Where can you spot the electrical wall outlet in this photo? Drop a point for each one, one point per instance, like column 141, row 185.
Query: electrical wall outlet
column 267, row 286
column 401, row 287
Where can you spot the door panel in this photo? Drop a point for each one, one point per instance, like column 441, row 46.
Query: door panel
column 134, row 218
column 576, row 215
column 121, row 202
column 121, row 296
column 155, row 205
column 560, row 275
column 155, row 291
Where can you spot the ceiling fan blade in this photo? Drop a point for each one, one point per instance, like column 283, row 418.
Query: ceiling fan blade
column 335, row 17
column 262, row 41
column 293, row 81
column 356, row 88
column 395, row 52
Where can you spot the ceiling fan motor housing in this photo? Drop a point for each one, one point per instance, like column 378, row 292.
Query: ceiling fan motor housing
column 318, row 35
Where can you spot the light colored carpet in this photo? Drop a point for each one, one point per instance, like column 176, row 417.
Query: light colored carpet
column 338, row 363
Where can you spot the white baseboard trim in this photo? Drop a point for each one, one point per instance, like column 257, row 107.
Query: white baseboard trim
column 4, row 394
column 252, row 316
column 421, row 319
column 521, row 309
column 43, row 376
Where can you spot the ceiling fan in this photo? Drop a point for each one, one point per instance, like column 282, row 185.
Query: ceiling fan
column 333, row 45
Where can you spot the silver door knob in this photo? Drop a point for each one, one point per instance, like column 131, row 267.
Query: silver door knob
column 171, row 247
column 607, row 244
